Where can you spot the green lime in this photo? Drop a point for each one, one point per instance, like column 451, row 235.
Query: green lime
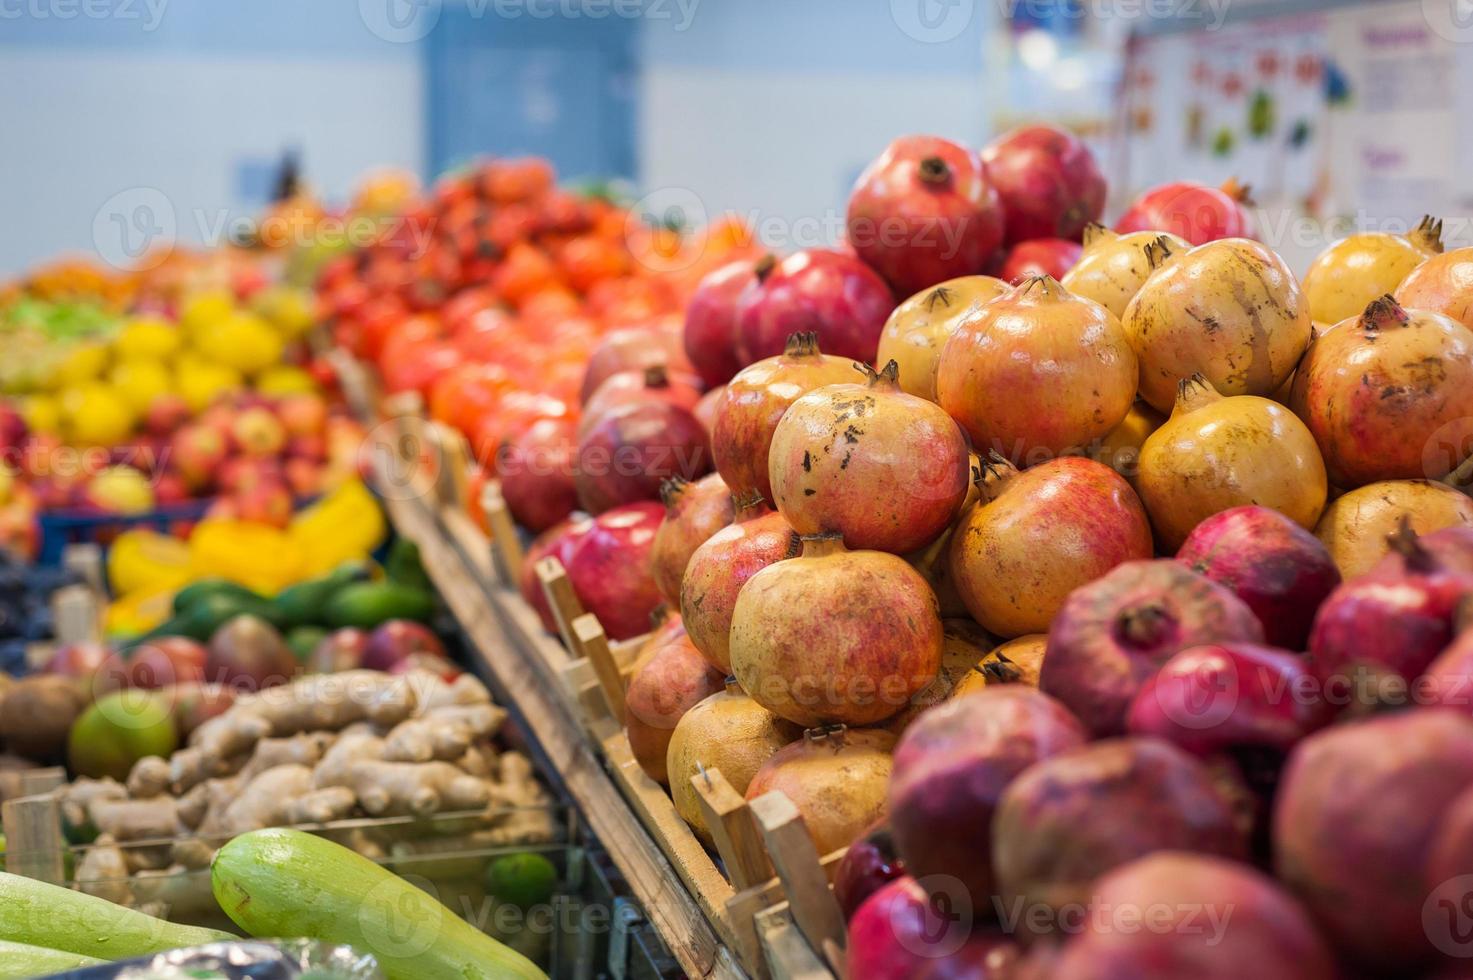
column 524, row 879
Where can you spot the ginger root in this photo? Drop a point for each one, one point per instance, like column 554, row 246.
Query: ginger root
column 333, row 769
column 401, row 789
column 103, row 872
column 261, row 802
column 444, row 734
column 149, row 778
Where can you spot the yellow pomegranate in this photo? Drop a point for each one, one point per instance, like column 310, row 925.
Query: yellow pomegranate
column 1354, row 527
column 1113, row 267
column 1120, row 449
column 917, row 330
column 1216, row 452
column 1229, row 310
column 1017, row 661
column 1351, row 273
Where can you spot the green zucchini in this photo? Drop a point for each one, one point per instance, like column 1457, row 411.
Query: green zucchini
column 287, row 883
column 20, row 962
column 38, row 914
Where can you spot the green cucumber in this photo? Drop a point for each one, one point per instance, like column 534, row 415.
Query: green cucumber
column 368, row 604
column 287, row 883
column 38, row 914
column 302, row 604
column 19, row 961
column 205, row 588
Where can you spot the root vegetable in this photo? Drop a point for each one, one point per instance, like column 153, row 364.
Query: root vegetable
column 320, row 806
column 36, row 714
column 351, row 748
column 399, row 789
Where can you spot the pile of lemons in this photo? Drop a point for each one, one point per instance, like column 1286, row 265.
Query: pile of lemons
column 101, row 391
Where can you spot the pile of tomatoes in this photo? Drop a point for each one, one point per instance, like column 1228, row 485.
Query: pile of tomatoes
column 487, row 295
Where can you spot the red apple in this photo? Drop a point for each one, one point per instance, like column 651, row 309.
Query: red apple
column 267, row 503
column 302, row 415
column 197, row 452
column 166, row 415
column 304, row 477
column 157, row 664
column 397, row 640
column 259, row 433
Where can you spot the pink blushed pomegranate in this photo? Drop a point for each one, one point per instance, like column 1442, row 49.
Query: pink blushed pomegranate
column 832, row 294
column 755, row 401
column 1443, row 284
column 693, row 512
column 1357, row 814
column 710, row 322
column 1039, row 257
column 1048, row 181
column 1114, row 633
column 1196, row 212
column 666, row 684
column 537, row 473
column 634, row 349
column 633, row 448
column 924, row 211
column 902, row 933
column 721, row 565
column 835, row 636
column 655, row 383
column 609, row 568
column 557, row 542
column 885, row 469
column 951, row 767
column 1275, row 566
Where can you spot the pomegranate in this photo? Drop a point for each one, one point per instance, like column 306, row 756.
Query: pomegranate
column 705, row 410
column 1361, row 268
column 340, row 650
column 1451, row 547
column 609, row 568
column 922, row 212
column 1223, row 696
column 870, row 863
column 1355, row 526
column 727, row 731
column 915, row 332
column 1450, row 854
column 1394, row 625
column 884, row 469
column 1112, row 267
column 933, row 561
column 902, row 933
column 964, row 646
column 952, row 765
column 719, row 568
column 634, row 349
column 836, row 779
column 1114, row 633
column 558, row 542
column 1048, row 181
column 1442, row 284
column 654, row 383
column 1389, row 396
column 835, row 635
column 1074, row 816
column 1195, row 212
column 398, row 640
column 1037, row 372
column 1220, row 920
column 1358, row 809
column 829, row 293
column 710, row 322
column 537, row 473
column 666, row 684
column 1229, row 310
column 1039, row 257
column 1216, row 453
column 1275, row 566
column 1120, row 449
column 757, row 398
column 1018, row 661
column 1037, row 535
column 693, row 512
column 626, row 455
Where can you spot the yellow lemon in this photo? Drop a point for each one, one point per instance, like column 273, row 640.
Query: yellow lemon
column 285, row 379
column 242, row 341
column 140, row 382
column 147, row 337
column 202, row 310
column 289, row 309
column 121, row 490
column 42, row 414
column 201, row 383
column 83, row 363
column 96, row 415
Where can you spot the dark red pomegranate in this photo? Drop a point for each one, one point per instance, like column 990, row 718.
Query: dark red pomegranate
column 1114, row 633
column 693, row 512
column 557, row 542
column 871, row 863
column 710, row 322
column 610, row 568
column 901, row 933
column 340, row 650
column 655, row 383
column 924, row 212
column 1048, row 182
column 633, row 448
column 398, row 640
column 1196, row 212
column 1039, row 257
column 834, row 295
column 952, row 765
column 1376, row 633
column 537, row 473
column 1448, row 680
column 634, row 349
column 1277, row 567
column 1225, row 696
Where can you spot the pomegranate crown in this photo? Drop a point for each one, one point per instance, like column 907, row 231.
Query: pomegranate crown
column 748, row 500
column 1382, row 313
column 1238, row 191
column 940, row 296
column 933, row 170
column 1428, row 234
column 672, row 488
column 802, row 344
column 887, row 376
column 659, row 614
column 833, row 733
column 1405, row 542
column 657, row 376
column 1158, row 250
column 763, row 267
column 992, row 471
column 1097, row 234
